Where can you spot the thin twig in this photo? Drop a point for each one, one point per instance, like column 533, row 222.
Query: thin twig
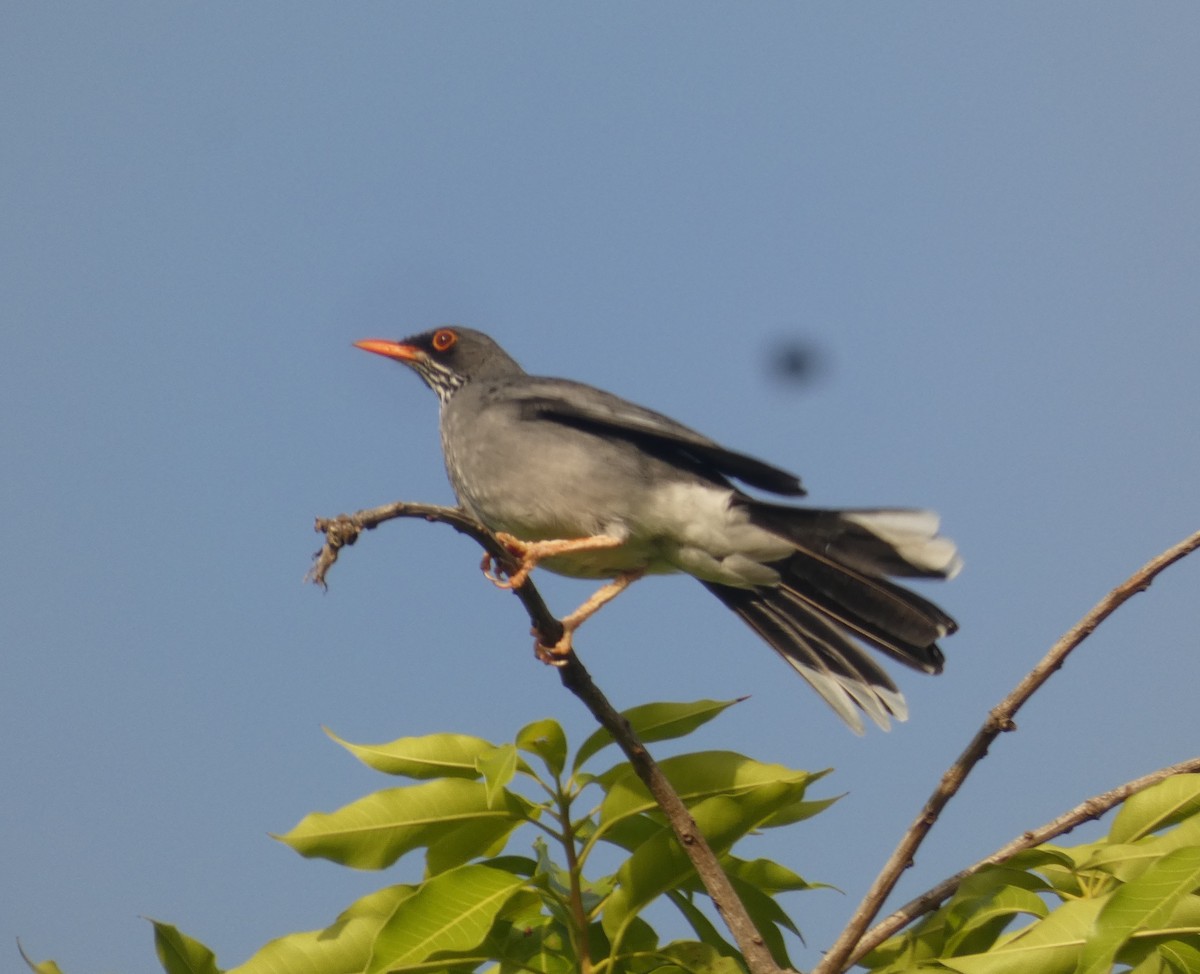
column 999, row 719
column 344, row 530
column 1085, row 811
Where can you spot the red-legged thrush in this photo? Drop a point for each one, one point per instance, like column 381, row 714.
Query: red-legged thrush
column 591, row 486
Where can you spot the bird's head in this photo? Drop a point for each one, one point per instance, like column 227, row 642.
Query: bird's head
column 447, row 357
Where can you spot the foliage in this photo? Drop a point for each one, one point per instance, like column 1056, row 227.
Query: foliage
column 479, row 904
column 1130, row 899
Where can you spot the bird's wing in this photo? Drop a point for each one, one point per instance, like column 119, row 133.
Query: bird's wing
column 585, row 408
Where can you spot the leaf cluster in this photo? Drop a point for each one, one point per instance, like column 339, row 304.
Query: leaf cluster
column 480, row 904
column 1130, row 899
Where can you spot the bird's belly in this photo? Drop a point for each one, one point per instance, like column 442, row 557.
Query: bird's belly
column 683, row 527
column 531, row 518
column 608, row 562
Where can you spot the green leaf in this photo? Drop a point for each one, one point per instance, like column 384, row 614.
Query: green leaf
column 1154, row 809
column 1059, row 866
column 1140, row 906
column 376, row 830
column 1050, row 946
column 546, row 739
column 40, row 967
column 640, row 937
column 1186, row 833
column 992, row 879
column 497, row 767
column 767, row 875
column 696, row 776
column 1179, row 957
column 432, row 756
column 657, row 722
column 974, row 924
column 345, row 945
column 660, row 864
column 526, row 905
column 1128, row 860
column 769, row 919
column 181, row 954
column 470, row 840
column 632, row 831
column 698, row 958
column 451, row 912
column 1141, row 951
column 535, row 945
column 1040, row 857
column 1122, row 860
column 802, row 810
column 520, row 865
column 701, row 925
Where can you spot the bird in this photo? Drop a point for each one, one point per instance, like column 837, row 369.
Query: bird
column 586, row 484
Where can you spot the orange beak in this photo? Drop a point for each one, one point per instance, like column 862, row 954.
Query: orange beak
column 396, row 350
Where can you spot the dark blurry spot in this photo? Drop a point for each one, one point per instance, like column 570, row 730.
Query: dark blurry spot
column 795, row 362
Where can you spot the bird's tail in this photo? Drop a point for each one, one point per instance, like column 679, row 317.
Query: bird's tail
column 897, row 542
column 834, row 596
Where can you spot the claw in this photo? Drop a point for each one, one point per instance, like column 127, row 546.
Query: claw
column 556, row 655
column 524, row 554
column 497, row 575
column 517, row 580
column 492, row 571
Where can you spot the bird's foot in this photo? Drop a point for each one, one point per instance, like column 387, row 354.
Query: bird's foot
column 558, row 654
column 529, row 553
column 523, row 551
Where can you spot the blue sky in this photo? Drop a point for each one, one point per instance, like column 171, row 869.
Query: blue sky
column 983, row 217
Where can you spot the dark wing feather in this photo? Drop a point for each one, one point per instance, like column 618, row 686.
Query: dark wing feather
column 820, row 650
column 819, row 616
column 595, row 411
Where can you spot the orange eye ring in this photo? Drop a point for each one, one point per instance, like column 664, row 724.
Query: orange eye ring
column 443, row 339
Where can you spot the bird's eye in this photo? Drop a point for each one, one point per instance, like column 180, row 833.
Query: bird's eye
column 443, row 340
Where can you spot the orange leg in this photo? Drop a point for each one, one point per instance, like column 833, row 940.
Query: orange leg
column 529, row 553
column 557, row 654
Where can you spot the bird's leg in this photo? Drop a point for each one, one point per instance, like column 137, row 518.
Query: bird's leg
column 529, row 553
column 557, row 654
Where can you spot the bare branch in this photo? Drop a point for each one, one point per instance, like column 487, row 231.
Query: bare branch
column 344, row 530
column 999, row 719
column 1085, row 811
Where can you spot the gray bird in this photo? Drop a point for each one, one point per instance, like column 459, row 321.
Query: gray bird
column 591, row 486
